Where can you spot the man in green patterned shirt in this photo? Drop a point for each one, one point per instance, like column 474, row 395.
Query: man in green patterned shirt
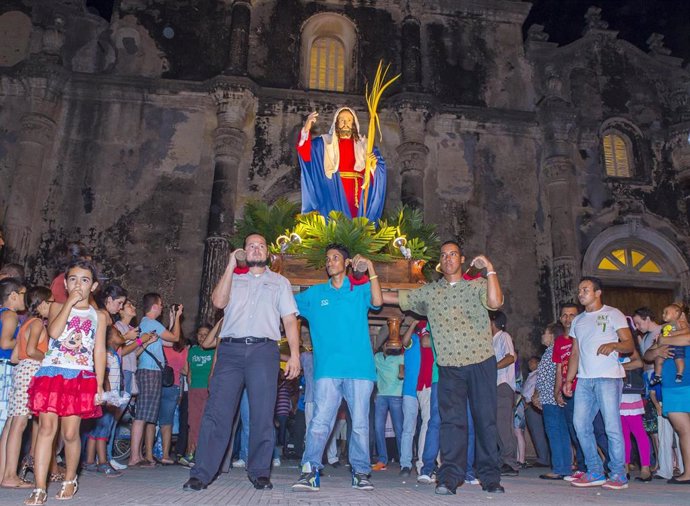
column 457, row 312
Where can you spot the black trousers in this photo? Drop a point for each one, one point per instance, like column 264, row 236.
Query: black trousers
column 237, row 365
column 476, row 382
column 182, row 436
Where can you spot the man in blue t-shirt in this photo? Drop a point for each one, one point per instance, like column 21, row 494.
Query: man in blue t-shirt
column 149, row 375
column 337, row 312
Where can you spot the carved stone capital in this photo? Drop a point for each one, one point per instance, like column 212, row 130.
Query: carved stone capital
column 37, row 128
column 557, row 169
column 235, row 104
column 228, row 142
column 412, row 157
column 412, row 120
column 44, row 85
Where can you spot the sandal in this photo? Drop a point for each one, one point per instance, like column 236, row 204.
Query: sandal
column 27, row 465
column 62, row 495
column 55, row 477
column 22, row 484
column 38, row 496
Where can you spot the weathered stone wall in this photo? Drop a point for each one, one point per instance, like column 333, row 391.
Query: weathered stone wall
column 147, row 133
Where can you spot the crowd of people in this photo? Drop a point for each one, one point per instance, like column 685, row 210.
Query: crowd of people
column 449, row 403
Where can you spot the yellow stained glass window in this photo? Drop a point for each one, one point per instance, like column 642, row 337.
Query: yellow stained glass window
column 636, row 257
column 327, row 65
column 607, row 265
column 629, row 260
column 650, row 266
column 616, row 156
column 619, row 254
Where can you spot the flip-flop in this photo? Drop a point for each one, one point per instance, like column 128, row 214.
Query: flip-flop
column 21, row 484
column 676, row 481
column 143, row 463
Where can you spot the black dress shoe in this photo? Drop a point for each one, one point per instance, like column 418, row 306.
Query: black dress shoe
column 493, row 488
column 551, row 476
column 640, row 478
column 506, row 470
column 444, row 489
column 261, row 483
column 194, row 484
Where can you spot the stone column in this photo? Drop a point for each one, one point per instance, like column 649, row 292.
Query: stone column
column 412, row 153
column 35, row 140
column 216, row 254
column 239, row 37
column 43, row 84
column 412, row 160
column 558, row 171
column 411, row 55
column 234, row 109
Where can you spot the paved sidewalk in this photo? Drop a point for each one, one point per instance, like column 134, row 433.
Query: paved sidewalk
column 163, row 486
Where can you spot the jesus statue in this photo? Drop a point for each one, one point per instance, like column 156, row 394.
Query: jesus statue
column 334, row 166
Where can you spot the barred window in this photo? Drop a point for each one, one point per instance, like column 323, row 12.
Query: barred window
column 327, row 64
column 617, row 155
column 328, row 51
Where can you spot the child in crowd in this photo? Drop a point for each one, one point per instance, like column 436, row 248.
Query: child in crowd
column 32, row 343
column 11, row 302
column 100, row 432
column 672, row 317
column 64, row 389
column 632, row 409
column 199, row 363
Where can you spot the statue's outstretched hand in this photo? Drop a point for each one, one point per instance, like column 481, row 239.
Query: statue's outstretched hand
column 311, row 119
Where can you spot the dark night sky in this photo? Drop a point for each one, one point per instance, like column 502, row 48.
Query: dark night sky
column 635, row 20
column 564, row 20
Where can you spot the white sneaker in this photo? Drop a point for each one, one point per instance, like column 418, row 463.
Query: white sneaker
column 472, row 482
column 116, row 465
column 239, row 463
column 276, row 462
column 425, row 478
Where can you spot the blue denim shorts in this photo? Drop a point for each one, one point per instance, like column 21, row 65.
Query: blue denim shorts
column 169, row 398
column 102, row 426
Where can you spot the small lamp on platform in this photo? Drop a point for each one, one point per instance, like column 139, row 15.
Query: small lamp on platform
column 401, row 243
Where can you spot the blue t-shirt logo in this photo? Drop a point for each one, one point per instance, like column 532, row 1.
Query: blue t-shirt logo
column 324, row 302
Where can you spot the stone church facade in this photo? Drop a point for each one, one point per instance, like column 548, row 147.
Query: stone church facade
column 145, row 134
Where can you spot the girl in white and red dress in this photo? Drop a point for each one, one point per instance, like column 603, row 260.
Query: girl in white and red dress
column 69, row 383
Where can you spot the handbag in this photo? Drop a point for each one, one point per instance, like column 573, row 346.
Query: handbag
column 168, row 375
column 634, row 382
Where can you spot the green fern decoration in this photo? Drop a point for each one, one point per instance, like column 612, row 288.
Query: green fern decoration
column 359, row 236
column 267, row 220
column 422, row 239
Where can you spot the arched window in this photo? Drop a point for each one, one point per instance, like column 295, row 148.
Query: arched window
column 633, row 260
column 618, row 155
column 328, row 53
column 327, row 64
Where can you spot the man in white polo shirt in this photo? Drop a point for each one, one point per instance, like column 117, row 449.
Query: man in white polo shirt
column 600, row 336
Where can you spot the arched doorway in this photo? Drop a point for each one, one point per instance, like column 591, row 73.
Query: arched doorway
column 638, row 267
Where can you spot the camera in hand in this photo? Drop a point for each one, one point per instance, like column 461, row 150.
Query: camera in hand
column 176, row 307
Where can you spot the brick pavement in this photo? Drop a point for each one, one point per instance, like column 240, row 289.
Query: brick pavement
column 163, row 486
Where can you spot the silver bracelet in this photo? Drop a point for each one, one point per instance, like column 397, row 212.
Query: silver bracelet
column 490, row 273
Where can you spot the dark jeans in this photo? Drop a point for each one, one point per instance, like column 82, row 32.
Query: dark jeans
column 182, row 435
column 535, row 424
column 599, row 435
column 237, row 365
column 476, row 382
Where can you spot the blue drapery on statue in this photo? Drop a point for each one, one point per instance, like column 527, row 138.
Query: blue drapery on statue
column 325, row 195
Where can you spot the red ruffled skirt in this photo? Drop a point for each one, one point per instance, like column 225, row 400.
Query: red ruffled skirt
column 53, row 393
